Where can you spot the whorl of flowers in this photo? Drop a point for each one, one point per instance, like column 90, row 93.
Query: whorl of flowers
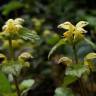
column 74, row 33
column 12, row 26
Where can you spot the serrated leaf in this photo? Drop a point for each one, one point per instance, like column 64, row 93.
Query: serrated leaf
column 69, row 79
column 4, row 84
column 61, row 42
column 11, row 6
column 77, row 70
column 28, row 35
column 12, row 67
column 63, row 92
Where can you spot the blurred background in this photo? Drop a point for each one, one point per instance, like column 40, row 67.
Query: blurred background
column 43, row 16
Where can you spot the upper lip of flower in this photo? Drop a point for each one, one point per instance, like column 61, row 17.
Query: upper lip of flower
column 66, row 25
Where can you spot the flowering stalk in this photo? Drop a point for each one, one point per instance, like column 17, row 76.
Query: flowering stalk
column 14, row 34
column 12, row 57
column 74, row 35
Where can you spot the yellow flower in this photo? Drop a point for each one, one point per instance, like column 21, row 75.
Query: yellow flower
column 73, row 32
column 19, row 20
column 3, row 58
column 65, row 60
column 79, row 30
column 67, row 25
column 25, row 56
column 12, row 26
column 88, row 60
column 80, row 26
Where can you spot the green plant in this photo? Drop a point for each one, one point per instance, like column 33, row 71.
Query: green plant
column 76, row 69
column 12, row 65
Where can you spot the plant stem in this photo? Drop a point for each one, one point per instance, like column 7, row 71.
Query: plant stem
column 82, row 89
column 12, row 57
column 11, row 50
column 91, row 80
column 75, row 54
column 16, row 84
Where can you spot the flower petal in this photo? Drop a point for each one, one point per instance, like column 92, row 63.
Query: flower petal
column 65, row 60
column 81, row 24
column 66, row 25
column 81, row 30
column 19, row 20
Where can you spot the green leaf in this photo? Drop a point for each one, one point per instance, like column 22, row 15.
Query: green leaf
column 11, row 6
column 10, row 94
column 26, row 84
column 4, row 84
column 90, row 43
column 51, row 40
column 50, row 37
column 69, row 79
column 28, row 35
column 91, row 20
column 61, row 42
column 12, row 68
column 63, row 92
column 77, row 70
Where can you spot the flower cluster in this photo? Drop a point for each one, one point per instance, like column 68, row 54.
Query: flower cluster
column 12, row 26
column 14, row 67
column 74, row 33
